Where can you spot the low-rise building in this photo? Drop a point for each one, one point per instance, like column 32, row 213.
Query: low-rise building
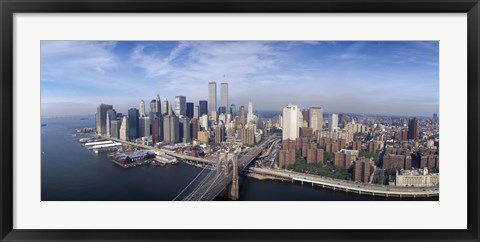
column 416, row 178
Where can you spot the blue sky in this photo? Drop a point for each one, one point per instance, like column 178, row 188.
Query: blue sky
column 385, row 77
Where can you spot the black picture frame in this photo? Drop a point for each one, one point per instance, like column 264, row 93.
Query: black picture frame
column 9, row 7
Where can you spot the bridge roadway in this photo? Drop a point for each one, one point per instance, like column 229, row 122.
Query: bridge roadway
column 213, row 187
column 169, row 152
column 265, row 154
column 348, row 186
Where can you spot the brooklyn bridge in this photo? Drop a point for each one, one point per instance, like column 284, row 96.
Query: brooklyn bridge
column 223, row 180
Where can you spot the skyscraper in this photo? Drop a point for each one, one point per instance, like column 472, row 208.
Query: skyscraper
column 342, row 119
column 180, row 105
column 165, row 107
column 242, row 115
column 158, row 105
column 115, row 128
column 171, row 128
column 250, row 112
column 306, row 116
column 111, row 115
column 316, row 118
column 219, row 132
column 290, row 122
column 133, row 116
column 189, row 112
column 124, row 128
column 333, row 122
column 224, row 95
column 154, row 120
column 212, row 97
column 153, row 106
column 184, row 130
column 203, row 104
column 233, row 110
column 413, row 128
column 101, row 118
column 194, row 128
column 196, row 112
column 144, row 126
column 142, row 108
column 204, row 122
column 108, row 125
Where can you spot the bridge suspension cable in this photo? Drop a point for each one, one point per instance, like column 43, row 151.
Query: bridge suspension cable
column 184, row 189
column 204, row 180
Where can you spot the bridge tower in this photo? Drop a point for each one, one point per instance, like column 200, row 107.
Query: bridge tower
column 227, row 161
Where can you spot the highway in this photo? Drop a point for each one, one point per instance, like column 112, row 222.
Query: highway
column 348, row 186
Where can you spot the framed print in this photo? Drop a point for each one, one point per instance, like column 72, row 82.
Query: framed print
column 239, row 121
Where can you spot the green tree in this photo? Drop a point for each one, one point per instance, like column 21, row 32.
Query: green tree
column 391, row 171
column 342, row 173
column 327, row 156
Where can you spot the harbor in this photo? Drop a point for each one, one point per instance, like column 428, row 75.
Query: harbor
column 122, row 153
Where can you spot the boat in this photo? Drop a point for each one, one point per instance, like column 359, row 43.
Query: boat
column 44, row 125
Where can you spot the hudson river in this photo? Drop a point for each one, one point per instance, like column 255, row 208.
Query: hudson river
column 70, row 172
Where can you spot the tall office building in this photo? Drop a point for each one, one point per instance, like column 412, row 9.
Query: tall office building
column 165, row 107
column 222, row 119
column 101, row 118
column 180, row 105
column 158, row 105
column 194, row 128
column 142, row 108
column 153, row 106
column 115, row 128
column 316, row 118
column 184, row 130
column 224, row 95
column 333, row 122
column 300, row 119
column 412, row 128
column 212, row 97
column 108, row 126
column 133, row 116
column 233, row 110
column 219, row 132
column 171, row 128
column 342, row 119
column 203, row 105
column 111, row 115
column 222, row 109
column 196, row 112
column 154, row 120
column 250, row 112
column 213, row 116
column 124, row 129
column 306, row 116
column 290, row 125
column 242, row 115
column 189, row 112
column 204, row 122
column 144, row 126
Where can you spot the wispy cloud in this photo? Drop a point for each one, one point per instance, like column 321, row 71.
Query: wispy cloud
column 340, row 76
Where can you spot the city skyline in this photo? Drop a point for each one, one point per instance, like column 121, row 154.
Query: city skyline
column 342, row 77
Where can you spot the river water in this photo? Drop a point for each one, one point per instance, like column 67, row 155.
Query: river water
column 69, row 172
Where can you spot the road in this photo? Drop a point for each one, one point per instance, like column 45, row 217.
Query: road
column 349, row 186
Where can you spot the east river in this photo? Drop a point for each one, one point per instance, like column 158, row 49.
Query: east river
column 70, row 172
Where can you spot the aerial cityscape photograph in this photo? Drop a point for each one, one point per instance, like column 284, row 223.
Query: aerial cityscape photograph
column 240, row 121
